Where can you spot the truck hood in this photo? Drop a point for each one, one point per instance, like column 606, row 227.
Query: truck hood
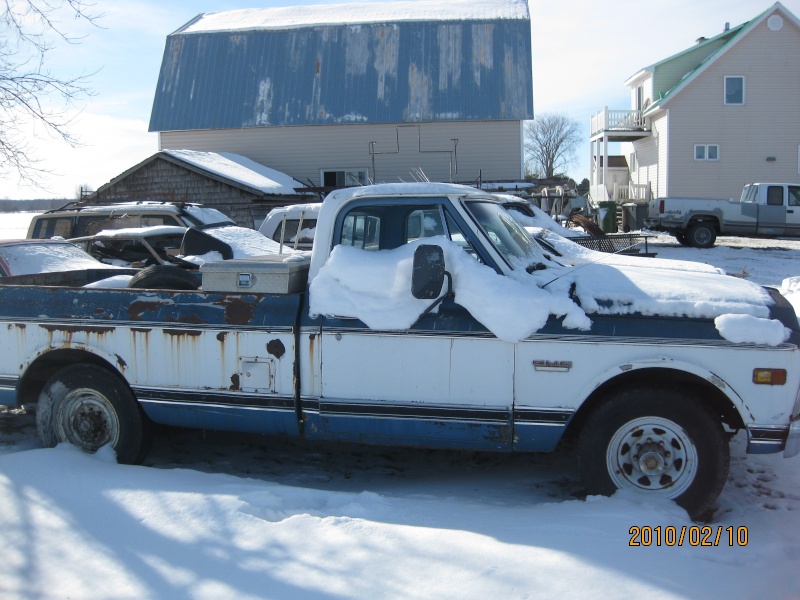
column 652, row 291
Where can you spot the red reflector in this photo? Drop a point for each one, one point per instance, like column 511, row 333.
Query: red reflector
column 661, row 207
column 769, row 376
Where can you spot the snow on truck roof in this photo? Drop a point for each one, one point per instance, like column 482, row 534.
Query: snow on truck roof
column 291, row 17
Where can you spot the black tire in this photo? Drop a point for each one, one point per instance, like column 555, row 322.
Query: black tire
column 165, row 277
column 701, row 234
column 684, row 457
column 89, row 407
column 681, row 237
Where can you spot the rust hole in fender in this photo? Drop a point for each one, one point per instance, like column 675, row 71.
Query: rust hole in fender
column 276, row 348
column 235, row 382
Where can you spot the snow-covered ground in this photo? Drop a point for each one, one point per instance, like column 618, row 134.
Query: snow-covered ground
column 216, row 515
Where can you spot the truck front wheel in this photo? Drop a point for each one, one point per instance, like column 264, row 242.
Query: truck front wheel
column 662, row 443
column 90, row 407
column 701, row 234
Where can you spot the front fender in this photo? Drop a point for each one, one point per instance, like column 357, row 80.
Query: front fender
column 666, row 363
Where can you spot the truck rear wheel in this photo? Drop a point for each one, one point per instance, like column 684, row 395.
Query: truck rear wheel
column 681, row 237
column 701, row 234
column 660, row 442
column 90, row 407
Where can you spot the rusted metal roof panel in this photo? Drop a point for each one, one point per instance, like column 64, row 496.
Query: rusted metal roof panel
column 402, row 72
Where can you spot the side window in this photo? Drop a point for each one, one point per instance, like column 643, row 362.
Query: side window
column 387, row 227
column 775, row 195
column 422, row 223
column 794, row 195
column 706, row 152
column 361, row 230
column 156, row 220
column 734, row 90
column 51, row 227
column 290, row 231
column 344, row 177
column 457, row 237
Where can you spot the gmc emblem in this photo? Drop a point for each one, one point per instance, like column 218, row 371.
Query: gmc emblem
column 552, row 365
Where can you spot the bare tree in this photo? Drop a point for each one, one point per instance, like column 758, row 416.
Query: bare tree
column 551, row 143
column 29, row 92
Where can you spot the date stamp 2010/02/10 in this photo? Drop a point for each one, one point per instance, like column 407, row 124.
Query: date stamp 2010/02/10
column 694, row 535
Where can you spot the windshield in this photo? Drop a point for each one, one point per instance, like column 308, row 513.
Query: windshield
column 506, row 235
column 29, row 258
column 206, row 216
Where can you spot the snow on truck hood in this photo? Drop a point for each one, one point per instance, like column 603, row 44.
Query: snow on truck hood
column 375, row 288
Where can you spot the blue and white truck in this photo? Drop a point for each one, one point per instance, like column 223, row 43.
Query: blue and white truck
column 424, row 316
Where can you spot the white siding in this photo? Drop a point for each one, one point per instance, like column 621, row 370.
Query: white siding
column 766, row 126
column 488, row 150
column 651, row 157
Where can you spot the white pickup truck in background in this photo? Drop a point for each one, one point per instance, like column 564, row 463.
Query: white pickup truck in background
column 764, row 209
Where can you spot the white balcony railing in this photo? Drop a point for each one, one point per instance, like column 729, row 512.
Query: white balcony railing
column 617, row 120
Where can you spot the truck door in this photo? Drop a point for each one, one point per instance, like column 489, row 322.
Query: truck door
column 446, row 382
column 793, row 211
column 772, row 211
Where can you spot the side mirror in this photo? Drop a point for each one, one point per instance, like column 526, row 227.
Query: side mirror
column 428, row 275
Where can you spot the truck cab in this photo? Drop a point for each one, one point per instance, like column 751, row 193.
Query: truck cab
column 776, row 207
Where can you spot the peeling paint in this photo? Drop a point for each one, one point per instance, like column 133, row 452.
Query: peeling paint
column 419, row 101
column 387, row 50
column 238, row 311
column 221, row 336
column 482, row 50
column 235, row 383
column 263, row 103
column 76, row 329
column 183, row 332
column 450, row 55
column 139, row 307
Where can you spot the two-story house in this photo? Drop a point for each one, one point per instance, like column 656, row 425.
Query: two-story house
column 707, row 120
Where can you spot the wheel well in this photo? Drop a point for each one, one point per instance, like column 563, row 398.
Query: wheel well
column 709, row 220
column 42, row 369
column 711, row 395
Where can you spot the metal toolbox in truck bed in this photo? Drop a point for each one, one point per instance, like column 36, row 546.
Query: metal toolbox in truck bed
column 269, row 274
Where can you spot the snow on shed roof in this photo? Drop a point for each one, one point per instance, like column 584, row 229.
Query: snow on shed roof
column 240, row 169
column 354, row 14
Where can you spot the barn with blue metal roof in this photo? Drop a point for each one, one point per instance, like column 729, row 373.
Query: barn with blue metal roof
column 346, row 94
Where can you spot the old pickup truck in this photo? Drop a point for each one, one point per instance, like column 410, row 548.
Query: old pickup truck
column 424, row 316
column 764, row 209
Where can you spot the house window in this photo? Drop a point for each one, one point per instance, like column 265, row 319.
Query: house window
column 706, row 152
column 344, row 177
column 734, row 90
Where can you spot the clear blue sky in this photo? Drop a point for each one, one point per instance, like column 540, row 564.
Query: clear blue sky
column 582, row 53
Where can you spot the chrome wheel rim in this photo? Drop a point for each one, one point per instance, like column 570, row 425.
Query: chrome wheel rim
column 88, row 420
column 652, row 454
